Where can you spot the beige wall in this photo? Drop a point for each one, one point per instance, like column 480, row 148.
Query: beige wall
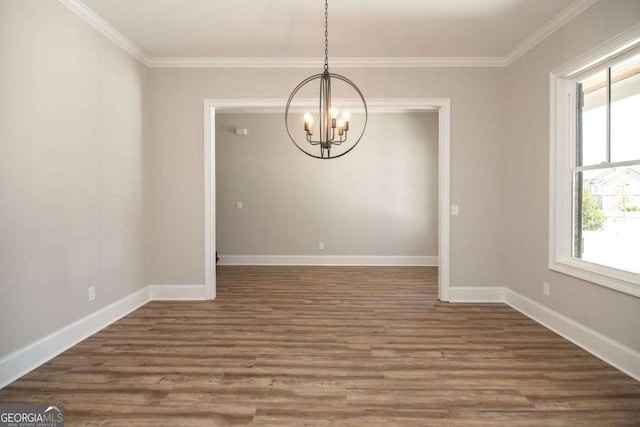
column 381, row 199
column 176, row 158
column 526, row 158
column 73, row 164
column 71, row 173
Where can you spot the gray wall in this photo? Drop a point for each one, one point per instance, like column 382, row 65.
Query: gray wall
column 72, row 127
column 380, row 199
column 72, row 168
column 176, row 216
column 526, row 180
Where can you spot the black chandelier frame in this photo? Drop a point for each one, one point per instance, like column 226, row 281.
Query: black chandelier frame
column 327, row 123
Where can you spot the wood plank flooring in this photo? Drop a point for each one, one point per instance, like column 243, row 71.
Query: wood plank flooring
column 329, row 345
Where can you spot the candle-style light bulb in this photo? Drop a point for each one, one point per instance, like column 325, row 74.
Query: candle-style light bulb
column 308, row 118
column 334, row 115
column 308, row 122
column 346, row 116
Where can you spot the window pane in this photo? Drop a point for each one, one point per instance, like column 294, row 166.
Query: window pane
column 607, row 230
column 625, row 111
column 592, row 146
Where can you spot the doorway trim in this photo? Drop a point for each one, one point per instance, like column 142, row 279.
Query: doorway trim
column 252, row 105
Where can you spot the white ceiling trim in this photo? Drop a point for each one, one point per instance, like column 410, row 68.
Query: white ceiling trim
column 82, row 10
column 105, row 28
column 612, row 47
column 561, row 19
column 399, row 62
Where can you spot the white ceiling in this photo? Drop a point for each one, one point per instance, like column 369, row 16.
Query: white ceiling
column 357, row 28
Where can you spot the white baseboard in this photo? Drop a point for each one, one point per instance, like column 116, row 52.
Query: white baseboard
column 612, row 352
column 22, row 361
column 26, row 359
column 178, row 292
column 476, row 294
column 364, row 260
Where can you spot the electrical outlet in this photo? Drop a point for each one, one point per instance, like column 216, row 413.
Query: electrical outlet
column 92, row 293
column 546, row 289
column 455, row 210
column 321, row 246
column 239, row 205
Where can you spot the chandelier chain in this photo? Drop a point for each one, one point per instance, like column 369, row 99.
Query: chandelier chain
column 326, row 35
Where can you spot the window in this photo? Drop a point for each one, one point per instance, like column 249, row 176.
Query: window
column 595, row 172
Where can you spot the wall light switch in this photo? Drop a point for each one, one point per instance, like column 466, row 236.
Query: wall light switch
column 241, row 131
column 454, row 210
column 546, row 289
column 92, row 293
column 239, row 205
column 321, row 246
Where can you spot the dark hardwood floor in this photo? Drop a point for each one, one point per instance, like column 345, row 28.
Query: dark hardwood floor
column 333, row 345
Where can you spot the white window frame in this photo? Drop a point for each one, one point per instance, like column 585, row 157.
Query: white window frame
column 562, row 122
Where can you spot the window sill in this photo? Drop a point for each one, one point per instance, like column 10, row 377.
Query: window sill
column 618, row 280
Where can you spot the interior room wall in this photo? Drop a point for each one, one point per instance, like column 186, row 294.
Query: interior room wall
column 176, row 211
column 81, row 184
column 72, row 127
column 526, row 180
column 381, row 199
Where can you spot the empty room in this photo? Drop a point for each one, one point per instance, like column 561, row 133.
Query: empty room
column 321, row 212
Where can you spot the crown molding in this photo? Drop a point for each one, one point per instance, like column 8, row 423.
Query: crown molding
column 612, row 47
column 570, row 12
column 389, row 62
column 219, row 62
column 105, row 28
column 93, row 19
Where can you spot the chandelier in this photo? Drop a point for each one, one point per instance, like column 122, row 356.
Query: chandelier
column 332, row 130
